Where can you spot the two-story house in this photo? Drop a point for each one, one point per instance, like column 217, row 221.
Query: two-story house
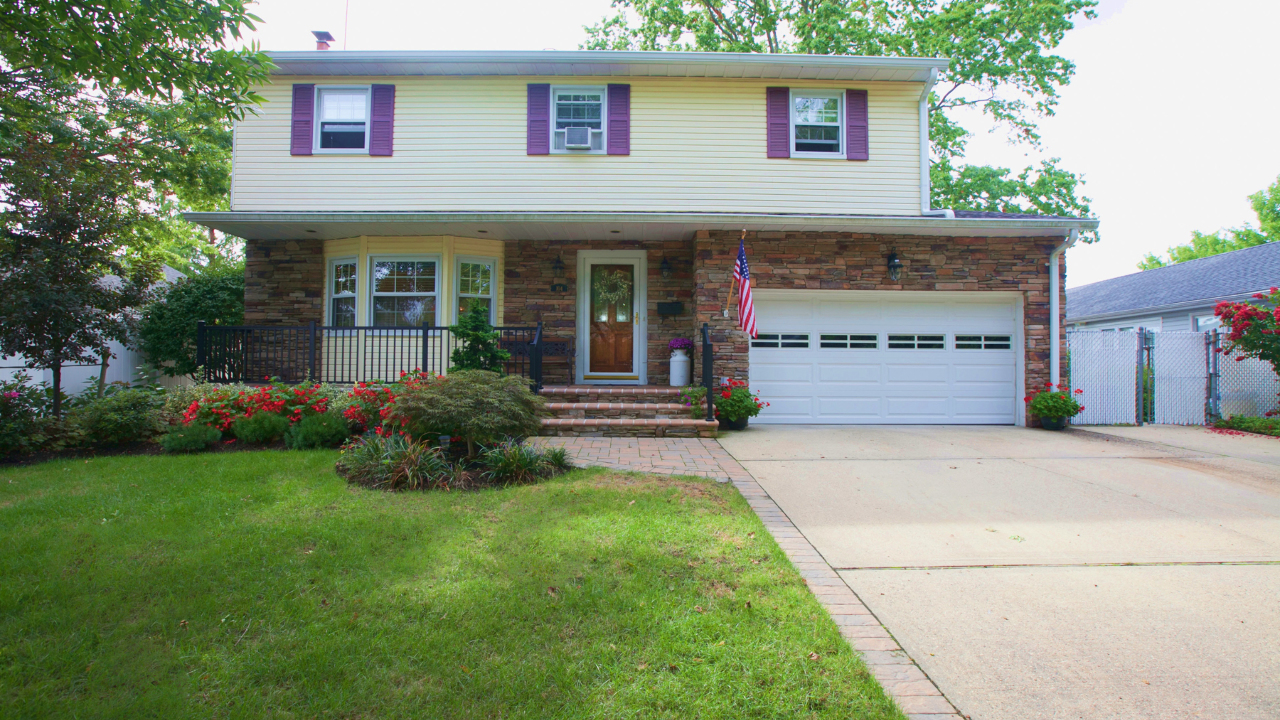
column 605, row 194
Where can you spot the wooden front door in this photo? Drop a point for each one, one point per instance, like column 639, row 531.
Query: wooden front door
column 613, row 319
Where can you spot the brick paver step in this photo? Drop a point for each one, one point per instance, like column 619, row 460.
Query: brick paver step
column 624, row 422
column 616, row 427
column 638, row 390
column 653, row 407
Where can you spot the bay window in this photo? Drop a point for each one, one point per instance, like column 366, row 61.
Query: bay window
column 404, row 292
column 476, row 285
column 342, row 293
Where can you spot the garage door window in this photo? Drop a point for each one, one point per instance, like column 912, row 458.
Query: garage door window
column 917, row 342
column 849, row 342
column 781, row 340
column 983, row 342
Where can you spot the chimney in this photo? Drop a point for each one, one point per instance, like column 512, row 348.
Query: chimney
column 323, row 38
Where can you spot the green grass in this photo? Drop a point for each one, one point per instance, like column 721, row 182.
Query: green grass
column 258, row 584
column 1259, row 425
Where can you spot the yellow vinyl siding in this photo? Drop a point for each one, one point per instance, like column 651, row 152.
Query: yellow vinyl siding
column 697, row 145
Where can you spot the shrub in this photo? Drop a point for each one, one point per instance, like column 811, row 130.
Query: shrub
column 480, row 407
column 23, row 416
column 477, row 342
column 261, row 428
column 221, row 407
column 1053, row 404
column 734, row 401
column 1253, row 330
column 558, row 459
column 167, row 332
column 123, row 417
column 365, row 406
column 695, row 398
column 515, row 463
column 189, row 438
column 1260, row 425
column 396, row 462
column 322, row 430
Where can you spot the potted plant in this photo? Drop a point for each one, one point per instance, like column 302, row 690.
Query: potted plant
column 680, row 362
column 1053, row 407
column 736, row 404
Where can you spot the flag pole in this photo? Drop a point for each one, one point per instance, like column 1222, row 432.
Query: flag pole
column 733, row 281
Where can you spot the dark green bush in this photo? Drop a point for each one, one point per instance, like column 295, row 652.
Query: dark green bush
column 322, row 430
column 558, row 459
column 396, row 462
column 1260, row 425
column 477, row 342
column 24, row 422
column 123, row 417
column 167, row 333
column 189, row 438
column 483, row 408
column 260, row 428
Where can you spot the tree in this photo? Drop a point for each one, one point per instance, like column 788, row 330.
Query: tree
column 1266, row 205
column 477, row 342
column 167, row 331
column 1000, row 62
column 68, row 280
column 1253, row 330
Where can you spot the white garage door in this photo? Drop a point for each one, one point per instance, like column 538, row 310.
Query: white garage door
column 842, row 357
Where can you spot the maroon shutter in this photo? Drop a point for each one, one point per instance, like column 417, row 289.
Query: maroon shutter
column 777, row 102
column 304, row 103
column 382, row 120
column 856, row 126
column 619, row 120
column 538, row 123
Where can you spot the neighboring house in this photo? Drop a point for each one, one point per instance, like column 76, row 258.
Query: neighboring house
column 125, row 364
column 1175, row 298
column 397, row 188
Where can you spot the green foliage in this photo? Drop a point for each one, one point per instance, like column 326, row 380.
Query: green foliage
column 125, row 417
column 1243, row 423
column 260, row 428
column 481, row 407
column 167, row 332
column 63, row 230
column 23, row 423
column 152, row 48
column 396, row 462
column 478, row 342
column 1053, row 404
column 695, row 398
column 516, row 463
column 322, row 430
column 189, row 438
column 1266, row 205
column 1001, row 61
column 735, row 401
column 558, row 458
column 1252, row 330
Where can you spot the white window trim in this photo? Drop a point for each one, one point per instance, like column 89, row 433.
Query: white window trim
column 316, row 120
column 330, row 296
column 604, row 118
column 369, row 295
column 842, row 122
column 492, row 262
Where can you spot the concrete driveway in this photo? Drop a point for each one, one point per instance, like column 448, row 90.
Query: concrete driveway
column 1116, row 573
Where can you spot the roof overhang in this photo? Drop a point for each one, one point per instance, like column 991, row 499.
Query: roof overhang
column 1158, row 309
column 581, row 226
column 606, row 63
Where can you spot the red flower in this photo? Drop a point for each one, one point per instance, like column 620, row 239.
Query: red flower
column 1079, row 391
column 1048, row 385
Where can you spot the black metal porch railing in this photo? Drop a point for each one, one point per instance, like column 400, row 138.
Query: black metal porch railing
column 708, row 373
column 347, row 355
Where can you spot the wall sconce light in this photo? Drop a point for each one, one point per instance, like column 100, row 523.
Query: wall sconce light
column 557, row 272
column 895, row 267
column 666, row 267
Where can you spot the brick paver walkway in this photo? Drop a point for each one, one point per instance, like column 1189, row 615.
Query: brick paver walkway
column 914, row 692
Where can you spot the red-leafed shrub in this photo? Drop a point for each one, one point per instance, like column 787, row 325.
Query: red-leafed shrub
column 1253, row 330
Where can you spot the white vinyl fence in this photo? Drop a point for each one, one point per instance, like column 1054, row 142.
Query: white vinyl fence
column 1175, row 378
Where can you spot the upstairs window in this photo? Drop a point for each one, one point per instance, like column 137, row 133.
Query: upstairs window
column 343, row 119
column 817, row 125
column 579, row 116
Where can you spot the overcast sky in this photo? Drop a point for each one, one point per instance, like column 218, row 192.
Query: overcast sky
column 1172, row 117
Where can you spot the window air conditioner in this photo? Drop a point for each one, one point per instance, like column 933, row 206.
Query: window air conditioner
column 577, row 138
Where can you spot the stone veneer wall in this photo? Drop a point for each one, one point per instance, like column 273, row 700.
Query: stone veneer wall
column 284, row 282
column 850, row 261
column 529, row 297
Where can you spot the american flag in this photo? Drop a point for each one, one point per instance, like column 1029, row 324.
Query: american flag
column 741, row 273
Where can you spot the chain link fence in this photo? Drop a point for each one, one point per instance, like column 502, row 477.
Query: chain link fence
column 1176, row 378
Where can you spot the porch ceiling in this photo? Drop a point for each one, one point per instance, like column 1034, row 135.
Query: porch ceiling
column 573, row 226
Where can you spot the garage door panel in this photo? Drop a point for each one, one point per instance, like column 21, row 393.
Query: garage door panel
column 916, row 374
column 873, row 383
column 860, row 373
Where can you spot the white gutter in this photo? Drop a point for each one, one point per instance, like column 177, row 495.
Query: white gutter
column 1055, row 309
column 926, row 206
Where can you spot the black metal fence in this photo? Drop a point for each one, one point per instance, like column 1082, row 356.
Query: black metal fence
column 708, row 372
column 347, row 355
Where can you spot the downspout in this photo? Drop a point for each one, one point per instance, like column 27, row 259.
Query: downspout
column 926, row 205
column 1055, row 322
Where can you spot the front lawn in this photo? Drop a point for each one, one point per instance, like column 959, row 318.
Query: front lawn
column 259, row 584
